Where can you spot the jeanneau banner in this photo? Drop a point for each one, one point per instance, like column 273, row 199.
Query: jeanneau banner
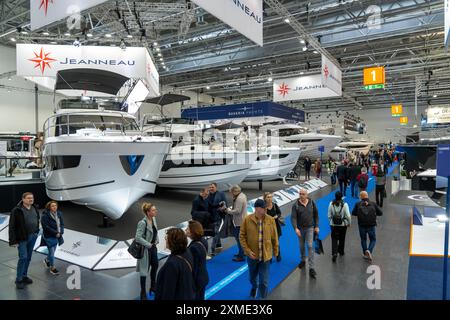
column 245, row 16
column 45, row 12
column 36, row 60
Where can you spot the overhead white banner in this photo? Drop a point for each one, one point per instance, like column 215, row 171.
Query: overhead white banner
column 331, row 76
column 245, row 16
column 35, row 60
column 438, row 114
column 45, row 12
column 298, row 88
column 447, row 23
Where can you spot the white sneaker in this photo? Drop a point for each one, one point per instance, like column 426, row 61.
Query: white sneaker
column 365, row 255
column 370, row 255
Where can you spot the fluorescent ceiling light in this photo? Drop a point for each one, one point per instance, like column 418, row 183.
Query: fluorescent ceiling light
column 67, row 34
column 13, row 39
column 302, row 41
column 434, row 95
column 53, row 42
column 89, row 35
column 155, row 43
column 129, row 36
column 315, row 51
column 287, row 20
column 24, row 32
column 305, row 48
column 45, row 33
column 108, row 35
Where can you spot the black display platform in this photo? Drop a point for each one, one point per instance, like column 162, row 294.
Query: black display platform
column 11, row 193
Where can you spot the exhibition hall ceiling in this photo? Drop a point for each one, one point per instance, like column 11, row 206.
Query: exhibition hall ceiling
column 195, row 51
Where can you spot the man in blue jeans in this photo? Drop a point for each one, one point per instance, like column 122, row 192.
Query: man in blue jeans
column 23, row 232
column 259, row 240
column 367, row 213
column 217, row 205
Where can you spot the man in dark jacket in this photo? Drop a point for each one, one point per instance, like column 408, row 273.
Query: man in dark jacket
column 23, row 232
column 342, row 175
column 307, row 164
column 305, row 221
column 354, row 171
column 200, row 208
column 367, row 212
column 217, row 205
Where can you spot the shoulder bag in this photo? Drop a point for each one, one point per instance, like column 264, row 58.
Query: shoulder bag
column 136, row 249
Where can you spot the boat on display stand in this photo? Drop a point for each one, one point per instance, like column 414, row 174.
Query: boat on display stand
column 99, row 158
column 357, row 146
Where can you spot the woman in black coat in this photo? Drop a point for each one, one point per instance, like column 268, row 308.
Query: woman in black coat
column 273, row 210
column 199, row 251
column 175, row 278
column 53, row 230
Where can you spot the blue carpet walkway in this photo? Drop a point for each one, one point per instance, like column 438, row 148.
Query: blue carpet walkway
column 229, row 279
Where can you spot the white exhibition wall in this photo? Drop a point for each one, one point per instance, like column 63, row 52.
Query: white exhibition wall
column 17, row 111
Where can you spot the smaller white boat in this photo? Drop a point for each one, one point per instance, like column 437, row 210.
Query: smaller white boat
column 360, row 146
column 273, row 163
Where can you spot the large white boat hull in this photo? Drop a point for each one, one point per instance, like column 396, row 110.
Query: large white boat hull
column 193, row 171
column 101, row 180
column 273, row 164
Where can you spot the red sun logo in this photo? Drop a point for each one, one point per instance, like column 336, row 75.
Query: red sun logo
column 326, row 71
column 44, row 4
column 283, row 90
column 42, row 60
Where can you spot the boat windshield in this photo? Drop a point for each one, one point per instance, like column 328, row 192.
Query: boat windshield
column 70, row 124
column 291, row 131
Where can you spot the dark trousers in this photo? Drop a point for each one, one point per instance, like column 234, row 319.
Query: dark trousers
column 153, row 263
column 363, row 233
column 236, row 231
column 333, row 178
column 200, row 293
column 338, row 240
column 343, row 186
column 354, row 188
column 25, row 252
column 259, row 276
column 307, row 174
column 379, row 195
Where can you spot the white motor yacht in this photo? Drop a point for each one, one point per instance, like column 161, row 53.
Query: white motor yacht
column 293, row 135
column 100, row 159
column 195, row 166
column 360, row 146
column 273, row 163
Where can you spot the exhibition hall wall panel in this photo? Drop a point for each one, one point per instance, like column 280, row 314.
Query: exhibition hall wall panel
column 17, row 111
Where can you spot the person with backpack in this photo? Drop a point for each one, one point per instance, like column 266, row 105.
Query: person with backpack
column 380, row 187
column 342, row 176
column 332, row 170
column 367, row 213
column 354, row 171
column 305, row 221
column 363, row 180
column 340, row 219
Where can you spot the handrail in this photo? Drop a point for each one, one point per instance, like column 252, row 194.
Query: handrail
column 47, row 126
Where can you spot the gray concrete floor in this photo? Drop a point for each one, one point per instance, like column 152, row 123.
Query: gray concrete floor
column 344, row 280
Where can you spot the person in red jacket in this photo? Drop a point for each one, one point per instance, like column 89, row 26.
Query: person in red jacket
column 363, row 180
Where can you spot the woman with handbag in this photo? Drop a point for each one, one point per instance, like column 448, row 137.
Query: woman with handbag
column 53, row 230
column 147, row 238
column 175, row 279
column 274, row 211
column 340, row 219
column 380, row 187
column 199, row 251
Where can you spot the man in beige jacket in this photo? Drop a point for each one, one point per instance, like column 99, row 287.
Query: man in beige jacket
column 239, row 212
column 259, row 240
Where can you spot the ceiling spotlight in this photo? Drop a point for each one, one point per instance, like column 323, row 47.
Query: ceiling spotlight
column 165, row 67
column 161, row 59
column 162, row 63
column 270, row 79
column 208, row 87
column 108, row 35
column 155, row 43
column 13, row 39
column 159, row 54
column 129, row 36
column 305, row 48
column 302, row 41
column 23, row 32
column 53, row 42
column 67, row 34
column 287, row 20
column 45, row 33
column 158, row 49
column 89, row 35
column 9, row 79
column 302, row 73
column 315, row 51
column 434, row 95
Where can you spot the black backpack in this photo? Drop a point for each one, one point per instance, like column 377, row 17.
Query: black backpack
column 362, row 183
column 367, row 214
column 338, row 219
